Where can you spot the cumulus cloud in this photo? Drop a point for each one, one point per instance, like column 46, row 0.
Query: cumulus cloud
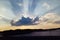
column 25, row 21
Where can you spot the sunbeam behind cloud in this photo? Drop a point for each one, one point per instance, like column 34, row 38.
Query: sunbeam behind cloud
column 25, row 7
column 41, row 8
column 28, row 13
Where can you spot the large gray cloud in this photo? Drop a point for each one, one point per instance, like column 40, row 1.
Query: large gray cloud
column 25, row 21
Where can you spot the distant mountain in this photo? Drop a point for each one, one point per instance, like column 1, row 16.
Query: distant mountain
column 29, row 32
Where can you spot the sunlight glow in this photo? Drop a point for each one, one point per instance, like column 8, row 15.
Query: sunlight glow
column 25, row 7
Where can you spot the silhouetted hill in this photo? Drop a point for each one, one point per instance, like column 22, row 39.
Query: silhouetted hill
column 29, row 32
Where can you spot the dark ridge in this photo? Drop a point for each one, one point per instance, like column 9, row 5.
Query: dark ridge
column 26, row 31
column 32, row 30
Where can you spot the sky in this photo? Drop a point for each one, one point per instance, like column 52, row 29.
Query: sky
column 15, row 9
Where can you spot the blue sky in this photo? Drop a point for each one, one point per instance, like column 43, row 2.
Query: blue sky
column 14, row 9
column 34, row 7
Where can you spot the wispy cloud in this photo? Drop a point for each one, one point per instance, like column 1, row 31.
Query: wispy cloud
column 46, row 5
column 50, row 18
column 6, row 12
column 6, row 9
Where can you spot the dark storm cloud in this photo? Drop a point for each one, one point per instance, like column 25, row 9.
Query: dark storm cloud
column 25, row 21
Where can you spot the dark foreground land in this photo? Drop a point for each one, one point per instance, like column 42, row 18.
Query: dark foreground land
column 20, row 33
column 29, row 32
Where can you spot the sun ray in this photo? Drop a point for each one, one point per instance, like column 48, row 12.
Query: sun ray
column 25, row 7
column 40, row 9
